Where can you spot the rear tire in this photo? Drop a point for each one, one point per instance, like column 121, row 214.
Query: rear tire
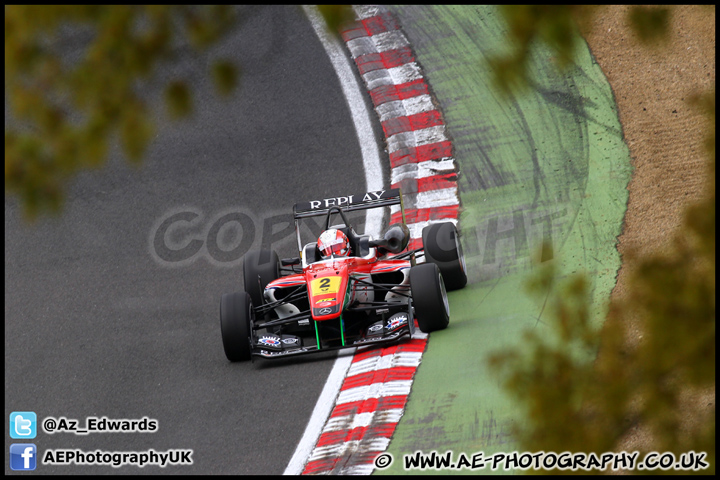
column 441, row 243
column 262, row 263
column 236, row 313
column 430, row 302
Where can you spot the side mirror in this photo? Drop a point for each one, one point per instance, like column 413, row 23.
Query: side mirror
column 287, row 262
column 395, row 240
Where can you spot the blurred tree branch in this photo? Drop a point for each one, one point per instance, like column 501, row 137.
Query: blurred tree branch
column 652, row 380
column 558, row 27
column 65, row 108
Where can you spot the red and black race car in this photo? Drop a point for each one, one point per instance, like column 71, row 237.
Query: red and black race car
column 345, row 289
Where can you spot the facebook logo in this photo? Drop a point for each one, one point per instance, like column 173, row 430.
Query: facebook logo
column 23, row 456
column 23, row 425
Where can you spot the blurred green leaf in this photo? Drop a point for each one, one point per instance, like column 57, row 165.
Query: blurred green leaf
column 651, row 24
column 178, row 99
column 336, row 16
column 555, row 26
column 225, row 76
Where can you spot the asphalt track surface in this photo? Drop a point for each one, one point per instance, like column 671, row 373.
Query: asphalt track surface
column 99, row 323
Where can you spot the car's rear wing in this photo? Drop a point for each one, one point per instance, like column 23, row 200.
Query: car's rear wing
column 350, row 203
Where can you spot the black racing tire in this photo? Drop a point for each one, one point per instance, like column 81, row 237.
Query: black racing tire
column 441, row 244
column 236, row 314
column 429, row 297
column 262, row 263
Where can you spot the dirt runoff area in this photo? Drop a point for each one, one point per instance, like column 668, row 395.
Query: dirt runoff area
column 665, row 132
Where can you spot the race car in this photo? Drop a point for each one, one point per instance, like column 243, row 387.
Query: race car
column 345, row 289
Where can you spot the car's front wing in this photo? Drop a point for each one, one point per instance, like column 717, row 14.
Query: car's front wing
column 268, row 347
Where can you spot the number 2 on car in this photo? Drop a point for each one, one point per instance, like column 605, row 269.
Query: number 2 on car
column 324, row 285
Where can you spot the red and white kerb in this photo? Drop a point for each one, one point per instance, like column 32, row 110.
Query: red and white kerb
column 373, row 396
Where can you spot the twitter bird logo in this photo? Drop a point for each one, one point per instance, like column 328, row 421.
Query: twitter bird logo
column 23, row 425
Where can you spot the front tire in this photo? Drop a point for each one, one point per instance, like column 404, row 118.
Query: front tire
column 430, row 301
column 441, row 243
column 236, row 314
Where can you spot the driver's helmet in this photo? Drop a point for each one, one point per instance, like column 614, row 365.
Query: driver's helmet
column 333, row 242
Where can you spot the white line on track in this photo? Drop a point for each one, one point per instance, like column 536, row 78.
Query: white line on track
column 353, row 92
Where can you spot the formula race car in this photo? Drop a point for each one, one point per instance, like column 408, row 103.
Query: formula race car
column 344, row 289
